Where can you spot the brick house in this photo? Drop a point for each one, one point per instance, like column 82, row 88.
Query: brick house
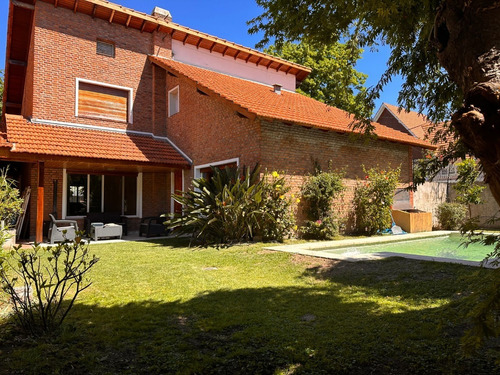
column 111, row 110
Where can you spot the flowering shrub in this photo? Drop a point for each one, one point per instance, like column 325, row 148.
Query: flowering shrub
column 319, row 193
column 279, row 206
column 373, row 198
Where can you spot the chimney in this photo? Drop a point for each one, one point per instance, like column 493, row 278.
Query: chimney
column 277, row 88
column 162, row 14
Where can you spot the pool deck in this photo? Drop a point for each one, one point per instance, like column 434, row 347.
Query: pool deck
column 317, row 249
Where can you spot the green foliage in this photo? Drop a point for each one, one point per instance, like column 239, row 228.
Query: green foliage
column 321, row 229
column 373, row 199
column 403, row 25
column 469, row 192
column 451, row 216
column 233, row 206
column 10, row 202
column 39, row 280
column 333, row 79
column 319, row 192
column 278, row 221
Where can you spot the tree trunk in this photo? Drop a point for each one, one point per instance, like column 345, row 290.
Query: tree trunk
column 467, row 34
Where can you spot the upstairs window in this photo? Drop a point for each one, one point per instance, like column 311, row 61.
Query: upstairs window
column 105, row 48
column 173, row 101
column 102, row 101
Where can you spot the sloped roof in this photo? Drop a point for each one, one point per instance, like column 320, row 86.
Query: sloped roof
column 415, row 122
column 23, row 136
column 262, row 101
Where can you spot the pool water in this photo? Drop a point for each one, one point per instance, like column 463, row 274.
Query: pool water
column 443, row 247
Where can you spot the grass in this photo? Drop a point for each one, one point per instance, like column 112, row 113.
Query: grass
column 163, row 308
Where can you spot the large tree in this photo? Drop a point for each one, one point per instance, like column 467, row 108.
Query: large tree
column 447, row 51
column 334, row 79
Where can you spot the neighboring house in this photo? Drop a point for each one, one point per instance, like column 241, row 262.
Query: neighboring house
column 429, row 195
column 112, row 110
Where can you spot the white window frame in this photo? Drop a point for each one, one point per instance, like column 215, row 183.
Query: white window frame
column 65, row 196
column 198, row 168
column 130, row 102
column 176, row 88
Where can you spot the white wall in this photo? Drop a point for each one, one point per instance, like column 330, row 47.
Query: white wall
column 226, row 64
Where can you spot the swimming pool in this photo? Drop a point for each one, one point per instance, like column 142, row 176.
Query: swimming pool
column 449, row 246
column 438, row 246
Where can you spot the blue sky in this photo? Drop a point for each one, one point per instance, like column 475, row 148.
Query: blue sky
column 227, row 19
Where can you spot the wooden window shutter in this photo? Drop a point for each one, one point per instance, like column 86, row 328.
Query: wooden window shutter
column 102, row 102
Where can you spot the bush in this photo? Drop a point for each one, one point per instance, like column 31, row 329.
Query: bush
column 234, row 206
column 38, row 281
column 373, row 199
column 320, row 192
column 325, row 229
column 279, row 219
column 10, row 205
column 451, row 216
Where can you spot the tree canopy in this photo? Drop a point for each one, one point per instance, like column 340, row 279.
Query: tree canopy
column 333, row 79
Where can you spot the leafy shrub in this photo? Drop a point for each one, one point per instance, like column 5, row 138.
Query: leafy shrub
column 451, row 216
column 373, row 199
column 279, row 219
column 38, row 280
column 10, row 202
column 319, row 192
column 234, row 206
column 468, row 192
column 325, row 229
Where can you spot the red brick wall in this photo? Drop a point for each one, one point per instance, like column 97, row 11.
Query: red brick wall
column 292, row 149
column 387, row 119
column 65, row 49
column 209, row 130
column 27, row 109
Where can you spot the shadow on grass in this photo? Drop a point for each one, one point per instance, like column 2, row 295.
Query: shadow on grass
column 299, row 330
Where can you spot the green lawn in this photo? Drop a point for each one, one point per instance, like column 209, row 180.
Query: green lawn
column 163, row 308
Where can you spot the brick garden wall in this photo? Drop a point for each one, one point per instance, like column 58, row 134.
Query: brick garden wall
column 292, row 149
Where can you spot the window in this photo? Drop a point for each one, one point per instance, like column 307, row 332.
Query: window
column 206, row 172
column 105, row 48
column 103, row 101
column 101, row 193
column 173, row 101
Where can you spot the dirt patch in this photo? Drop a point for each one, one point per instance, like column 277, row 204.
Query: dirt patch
column 319, row 264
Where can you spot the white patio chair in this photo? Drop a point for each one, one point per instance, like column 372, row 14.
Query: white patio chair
column 62, row 230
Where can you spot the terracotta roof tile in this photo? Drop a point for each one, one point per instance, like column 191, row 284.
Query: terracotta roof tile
column 263, row 102
column 33, row 138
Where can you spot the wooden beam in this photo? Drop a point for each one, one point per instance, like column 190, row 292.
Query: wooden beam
column 268, row 65
column 289, row 68
column 94, row 9
column 22, row 5
column 236, row 55
column 212, row 46
column 248, row 58
column 258, row 61
column 279, row 67
column 75, row 6
column 17, row 62
column 55, row 3
column 40, row 201
column 128, row 20
column 143, row 25
column 199, row 42
column 225, row 50
column 185, row 38
column 112, row 16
